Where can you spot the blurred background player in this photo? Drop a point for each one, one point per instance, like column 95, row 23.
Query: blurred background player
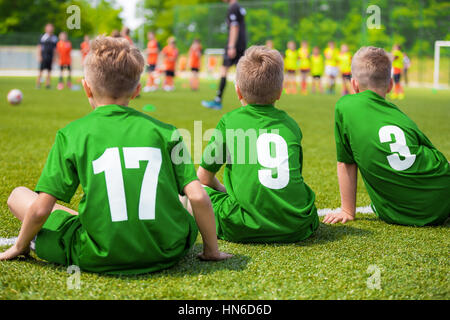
column 170, row 55
column 125, row 33
column 195, row 55
column 84, row 46
column 115, row 33
column 291, row 66
column 269, row 44
column 236, row 45
column 64, row 50
column 46, row 53
column 345, row 67
column 152, row 60
column 317, row 68
column 406, row 66
column 331, row 69
column 397, row 67
column 305, row 65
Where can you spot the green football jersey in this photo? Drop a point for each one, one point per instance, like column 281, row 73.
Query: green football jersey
column 407, row 178
column 261, row 146
column 131, row 218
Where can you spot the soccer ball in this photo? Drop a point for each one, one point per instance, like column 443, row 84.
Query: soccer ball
column 15, row 96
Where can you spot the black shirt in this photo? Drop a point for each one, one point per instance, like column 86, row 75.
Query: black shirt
column 48, row 45
column 236, row 16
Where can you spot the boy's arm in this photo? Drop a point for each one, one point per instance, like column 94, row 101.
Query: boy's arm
column 204, row 216
column 34, row 219
column 347, row 177
column 209, row 179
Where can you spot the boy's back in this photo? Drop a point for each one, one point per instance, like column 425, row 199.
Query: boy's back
column 131, row 219
column 407, row 178
column 263, row 176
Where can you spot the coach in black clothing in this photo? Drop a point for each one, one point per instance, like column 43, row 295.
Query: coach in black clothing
column 236, row 45
column 46, row 53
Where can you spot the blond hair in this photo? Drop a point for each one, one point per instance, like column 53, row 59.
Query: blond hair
column 259, row 75
column 113, row 67
column 371, row 67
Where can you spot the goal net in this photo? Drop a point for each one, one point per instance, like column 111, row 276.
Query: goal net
column 437, row 60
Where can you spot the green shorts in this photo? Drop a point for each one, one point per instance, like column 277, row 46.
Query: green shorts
column 54, row 240
column 235, row 224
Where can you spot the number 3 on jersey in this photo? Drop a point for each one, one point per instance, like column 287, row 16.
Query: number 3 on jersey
column 397, row 146
column 110, row 164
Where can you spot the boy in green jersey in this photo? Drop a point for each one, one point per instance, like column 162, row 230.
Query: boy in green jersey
column 406, row 177
column 130, row 219
column 264, row 198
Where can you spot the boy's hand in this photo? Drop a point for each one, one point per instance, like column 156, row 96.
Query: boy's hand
column 14, row 252
column 217, row 256
column 342, row 217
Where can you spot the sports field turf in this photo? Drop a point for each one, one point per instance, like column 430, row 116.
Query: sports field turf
column 333, row 264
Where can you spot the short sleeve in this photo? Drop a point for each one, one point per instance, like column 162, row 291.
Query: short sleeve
column 181, row 162
column 343, row 148
column 234, row 16
column 214, row 155
column 59, row 177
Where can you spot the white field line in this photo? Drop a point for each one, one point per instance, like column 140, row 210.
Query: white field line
column 321, row 212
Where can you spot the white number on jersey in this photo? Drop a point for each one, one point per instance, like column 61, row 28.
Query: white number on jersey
column 280, row 161
column 397, row 146
column 110, row 164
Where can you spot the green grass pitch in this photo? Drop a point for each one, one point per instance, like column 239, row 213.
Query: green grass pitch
column 333, row 264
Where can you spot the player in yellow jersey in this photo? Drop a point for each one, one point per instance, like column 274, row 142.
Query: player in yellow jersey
column 331, row 69
column 291, row 66
column 305, row 65
column 317, row 68
column 345, row 67
column 397, row 66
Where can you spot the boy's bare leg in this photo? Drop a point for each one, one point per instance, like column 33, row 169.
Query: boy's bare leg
column 21, row 199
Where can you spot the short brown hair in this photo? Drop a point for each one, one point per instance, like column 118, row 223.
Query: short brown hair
column 113, row 67
column 371, row 67
column 260, row 75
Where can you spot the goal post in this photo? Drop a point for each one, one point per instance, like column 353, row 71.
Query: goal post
column 437, row 56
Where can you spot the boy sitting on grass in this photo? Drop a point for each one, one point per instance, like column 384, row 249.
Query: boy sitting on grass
column 264, row 198
column 407, row 178
column 130, row 220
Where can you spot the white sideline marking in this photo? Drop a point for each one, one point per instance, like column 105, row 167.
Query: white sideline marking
column 321, row 212
column 7, row 241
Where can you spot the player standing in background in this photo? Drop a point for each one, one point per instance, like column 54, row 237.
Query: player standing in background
column 317, row 69
column 236, row 45
column 46, row 53
column 406, row 66
column 125, row 33
column 152, row 60
column 397, row 67
column 305, row 65
column 170, row 55
column 84, row 46
column 195, row 55
column 269, row 44
column 291, row 66
column 345, row 66
column 331, row 69
column 64, row 49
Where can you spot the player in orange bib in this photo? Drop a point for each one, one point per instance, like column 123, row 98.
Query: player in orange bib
column 152, row 60
column 84, row 46
column 170, row 55
column 64, row 49
column 195, row 55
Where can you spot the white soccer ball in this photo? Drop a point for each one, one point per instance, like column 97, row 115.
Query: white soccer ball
column 15, row 96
